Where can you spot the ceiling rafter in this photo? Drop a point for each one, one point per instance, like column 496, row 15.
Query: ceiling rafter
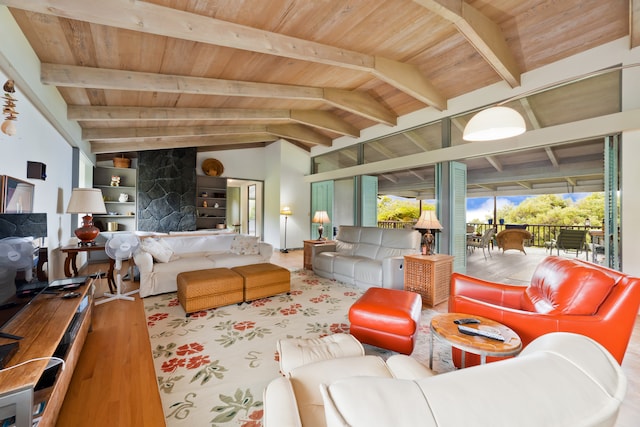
column 292, row 131
column 325, row 120
column 495, row 163
column 100, row 147
column 483, row 34
column 552, row 157
column 164, row 21
column 100, row 78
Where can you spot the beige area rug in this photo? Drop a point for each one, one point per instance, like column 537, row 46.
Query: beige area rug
column 212, row 367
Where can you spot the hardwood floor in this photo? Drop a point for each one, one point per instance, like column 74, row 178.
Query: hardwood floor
column 114, row 383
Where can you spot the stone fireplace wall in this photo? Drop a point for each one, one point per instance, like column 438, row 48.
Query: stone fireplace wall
column 167, row 190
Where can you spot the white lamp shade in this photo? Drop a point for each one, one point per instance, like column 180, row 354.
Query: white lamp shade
column 286, row 210
column 494, row 123
column 428, row 221
column 320, row 217
column 86, row 200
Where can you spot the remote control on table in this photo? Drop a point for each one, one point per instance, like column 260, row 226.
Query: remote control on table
column 465, row 321
column 479, row 332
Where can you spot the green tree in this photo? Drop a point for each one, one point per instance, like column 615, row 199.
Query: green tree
column 390, row 209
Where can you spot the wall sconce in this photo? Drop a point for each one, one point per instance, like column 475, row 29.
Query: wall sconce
column 9, row 109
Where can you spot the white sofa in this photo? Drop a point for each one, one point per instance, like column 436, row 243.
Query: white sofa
column 162, row 257
column 560, row 379
column 366, row 256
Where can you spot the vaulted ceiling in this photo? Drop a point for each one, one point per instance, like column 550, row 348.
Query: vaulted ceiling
column 141, row 75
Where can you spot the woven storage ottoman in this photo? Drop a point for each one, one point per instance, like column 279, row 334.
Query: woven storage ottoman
column 204, row 289
column 263, row 280
column 387, row 318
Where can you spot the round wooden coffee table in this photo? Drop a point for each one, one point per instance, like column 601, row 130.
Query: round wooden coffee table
column 443, row 328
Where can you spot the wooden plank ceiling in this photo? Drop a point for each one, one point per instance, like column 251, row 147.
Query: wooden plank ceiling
column 140, row 75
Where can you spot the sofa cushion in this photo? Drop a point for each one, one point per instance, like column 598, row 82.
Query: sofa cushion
column 245, row 245
column 199, row 243
column 157, row 248
column 306, row 381
column 562, row 286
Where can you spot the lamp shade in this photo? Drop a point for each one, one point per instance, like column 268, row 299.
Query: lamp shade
column 494, row 123
column 286, row 210
column 428, row 221
column 320, row 217
column 86, row 200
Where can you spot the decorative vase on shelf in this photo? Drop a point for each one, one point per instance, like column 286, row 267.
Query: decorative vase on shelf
column 124, row 197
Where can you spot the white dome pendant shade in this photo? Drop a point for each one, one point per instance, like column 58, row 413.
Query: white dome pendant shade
column 494, row 123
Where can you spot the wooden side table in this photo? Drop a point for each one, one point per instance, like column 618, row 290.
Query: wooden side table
column 72, row 254
column 428, row 275
column 444, row 328
column 308, row 251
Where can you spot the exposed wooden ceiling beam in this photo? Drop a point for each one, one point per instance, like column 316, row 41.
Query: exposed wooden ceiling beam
column 483, row 34
column 531, row 115
column 315, row 118
column 552, row 157
column 417, row 139
column 165, row 143
column 99, row 78
column 154, row 19
column 299, row 133
column 526, row 185
column 288, row 131
column 571, row 181
column 98, row 134
column 494, row 162
column 634, row 22
column 84, row 112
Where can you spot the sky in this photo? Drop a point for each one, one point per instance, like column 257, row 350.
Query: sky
column 482, row 207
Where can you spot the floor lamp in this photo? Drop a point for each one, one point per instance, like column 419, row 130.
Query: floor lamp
column 286, row 211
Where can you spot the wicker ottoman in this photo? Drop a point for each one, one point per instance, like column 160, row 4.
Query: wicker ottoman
column 387, row 318
column 204, row 289
column 263, row 280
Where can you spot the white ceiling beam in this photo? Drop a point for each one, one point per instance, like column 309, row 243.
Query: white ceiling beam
column 101, row 147
column 493, row 161
column 100, row 78
column 552, row 157
column 484, row 35
column 150, row 18
column 325, row 120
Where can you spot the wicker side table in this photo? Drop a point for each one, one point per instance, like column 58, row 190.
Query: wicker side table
column 428, row 275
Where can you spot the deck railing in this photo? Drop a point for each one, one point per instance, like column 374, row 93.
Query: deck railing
column 540, row 233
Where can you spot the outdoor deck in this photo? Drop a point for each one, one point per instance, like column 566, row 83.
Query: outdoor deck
column 511, row 266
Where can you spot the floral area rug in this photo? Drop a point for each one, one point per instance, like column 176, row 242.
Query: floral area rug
column 213, row 366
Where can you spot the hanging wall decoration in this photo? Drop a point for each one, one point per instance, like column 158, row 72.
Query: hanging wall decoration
column 9, row 109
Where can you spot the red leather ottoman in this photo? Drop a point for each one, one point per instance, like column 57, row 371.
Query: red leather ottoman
column 386, row 318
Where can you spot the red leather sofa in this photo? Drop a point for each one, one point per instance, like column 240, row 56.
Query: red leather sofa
column 565, row 295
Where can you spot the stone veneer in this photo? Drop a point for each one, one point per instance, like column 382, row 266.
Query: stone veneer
column 167, row 190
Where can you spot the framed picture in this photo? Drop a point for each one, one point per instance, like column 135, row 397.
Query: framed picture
column 17, row 195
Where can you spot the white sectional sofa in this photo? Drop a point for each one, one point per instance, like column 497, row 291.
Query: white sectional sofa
column 162, row 257
column 366, row 256
column 560, row 379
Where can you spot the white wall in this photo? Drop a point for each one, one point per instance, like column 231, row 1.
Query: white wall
column 38, row 141
column 281, row 165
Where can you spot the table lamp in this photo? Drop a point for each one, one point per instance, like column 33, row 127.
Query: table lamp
column 86, row 201
column 428, row 221
column 320, row 217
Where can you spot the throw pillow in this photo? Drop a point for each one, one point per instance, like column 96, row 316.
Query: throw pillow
column 245, row 245
column 160, row 251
